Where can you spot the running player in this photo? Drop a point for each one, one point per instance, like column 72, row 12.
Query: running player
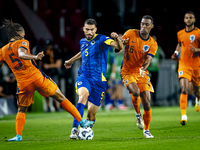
column 29, row 77
column 139, row 52
column 91, row 81
column 189, row 62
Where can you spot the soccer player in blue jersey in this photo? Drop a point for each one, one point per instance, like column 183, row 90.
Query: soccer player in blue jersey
column 91, row 82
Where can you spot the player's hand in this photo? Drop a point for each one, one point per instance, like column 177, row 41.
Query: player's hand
column 114, row 35
column 68, row 64
column 142, row 72
column 193, row 49
column 39, row 56
column 46, row 66
column 124, row 41
column 174, row 56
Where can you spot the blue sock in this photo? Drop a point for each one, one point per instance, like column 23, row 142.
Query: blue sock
column 80, row 108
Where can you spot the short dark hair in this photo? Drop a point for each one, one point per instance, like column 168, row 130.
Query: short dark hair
column 12, row 29
column 190, row 12
column 148, row 17
column 90, row 22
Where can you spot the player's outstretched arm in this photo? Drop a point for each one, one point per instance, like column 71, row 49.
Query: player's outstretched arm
column 145, row 65
column 68, row 63
column 117, row 44
column 176, row 52
column 22, row 53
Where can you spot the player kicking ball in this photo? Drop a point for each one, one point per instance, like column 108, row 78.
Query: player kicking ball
column 91, row 82
column 29, row 77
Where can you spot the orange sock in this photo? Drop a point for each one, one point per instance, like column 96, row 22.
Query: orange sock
column 183, row 104
column 69, row 107
column 20, row 121
column 147, row 119
column 136, row 103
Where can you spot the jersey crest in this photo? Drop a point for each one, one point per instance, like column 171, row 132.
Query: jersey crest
column 192, row 38
column 145, row 48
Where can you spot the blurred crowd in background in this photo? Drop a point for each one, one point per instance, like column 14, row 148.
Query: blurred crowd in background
column 55, row 27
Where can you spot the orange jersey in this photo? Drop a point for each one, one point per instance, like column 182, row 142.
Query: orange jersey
column 189, row 58
column 25, row 71
column 136, row 50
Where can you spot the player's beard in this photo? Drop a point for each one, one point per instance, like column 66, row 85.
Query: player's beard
column 89, row 38
column 189, row 25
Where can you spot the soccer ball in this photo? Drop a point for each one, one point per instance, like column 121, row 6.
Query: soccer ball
column 85, row 134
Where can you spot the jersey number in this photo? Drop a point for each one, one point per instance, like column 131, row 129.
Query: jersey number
column 14, row 60
column 86, row 52
column 131, row 49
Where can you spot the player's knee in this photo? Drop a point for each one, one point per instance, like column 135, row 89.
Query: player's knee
column 83, row 98
column 184, row 90
column 136, row 92
column 147, row 106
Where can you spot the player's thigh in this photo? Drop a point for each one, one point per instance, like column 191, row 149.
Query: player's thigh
column 196, row 77
column 45, row 86
column 83, row 89
column 130, row 81
column 144, row 84
column 58, row 95
column 191, row 89
column 184, row 72
column 25, row 96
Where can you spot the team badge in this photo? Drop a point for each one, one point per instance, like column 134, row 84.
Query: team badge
column 192, row 38
column 24, row 43
column 126, row 81
column 180, row 73
column 79, row 83
column 93, row 42
column 145, row 48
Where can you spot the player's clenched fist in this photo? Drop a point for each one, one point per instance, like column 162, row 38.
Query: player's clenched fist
column 39, row 56
column 114, row 35
column 68, row 64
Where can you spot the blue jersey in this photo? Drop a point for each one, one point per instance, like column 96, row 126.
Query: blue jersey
column 94, row 57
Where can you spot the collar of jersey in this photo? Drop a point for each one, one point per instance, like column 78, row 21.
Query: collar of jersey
column 11, row 41
column 190, row 30
column 93, row 37
column 143, row 38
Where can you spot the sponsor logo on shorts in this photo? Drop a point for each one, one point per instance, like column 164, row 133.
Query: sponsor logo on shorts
column 79, row 83
column 126, row 81
column 180, row 73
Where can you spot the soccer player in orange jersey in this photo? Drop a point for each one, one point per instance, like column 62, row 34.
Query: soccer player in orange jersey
column 29, row 77
column 139, row 51
column 189, row 62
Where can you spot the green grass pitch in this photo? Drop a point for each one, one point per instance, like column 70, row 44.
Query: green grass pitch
column 112, row 130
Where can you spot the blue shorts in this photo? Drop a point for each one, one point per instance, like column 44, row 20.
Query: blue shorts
column 96, row 89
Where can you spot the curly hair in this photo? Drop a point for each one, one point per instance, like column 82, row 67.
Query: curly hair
column 12, row 29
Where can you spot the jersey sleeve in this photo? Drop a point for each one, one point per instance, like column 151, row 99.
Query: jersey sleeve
column 107, row 40
column 24, row 44
column 126, row 34
column 153, row 49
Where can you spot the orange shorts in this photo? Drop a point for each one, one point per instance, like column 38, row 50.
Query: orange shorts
column 190, row 74
column 143, row 83
column 44, row 85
